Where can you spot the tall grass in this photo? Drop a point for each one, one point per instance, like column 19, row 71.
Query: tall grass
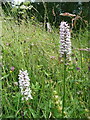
column 30, row 47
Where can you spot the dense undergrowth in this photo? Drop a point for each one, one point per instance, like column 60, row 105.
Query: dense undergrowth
column 30, row 47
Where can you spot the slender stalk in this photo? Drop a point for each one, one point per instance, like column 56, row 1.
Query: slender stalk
column 0, row 67
column 64, row 87
column 45, row 15
column 80, row 54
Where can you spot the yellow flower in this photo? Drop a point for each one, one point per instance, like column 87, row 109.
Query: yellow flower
column 82, row 59
column 32, row 17
column 10, row 71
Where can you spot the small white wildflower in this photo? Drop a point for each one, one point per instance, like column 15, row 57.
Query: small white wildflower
column 24, row 85
column 65, row 43
column 49, row 29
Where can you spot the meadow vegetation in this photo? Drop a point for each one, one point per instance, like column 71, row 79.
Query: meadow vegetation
column 28, row 46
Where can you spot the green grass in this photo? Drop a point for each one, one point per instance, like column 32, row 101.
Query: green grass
column 30, row 47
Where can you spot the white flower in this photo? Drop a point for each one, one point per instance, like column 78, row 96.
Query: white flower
column 24, row 85
column 49, row 27
column 65, row 43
